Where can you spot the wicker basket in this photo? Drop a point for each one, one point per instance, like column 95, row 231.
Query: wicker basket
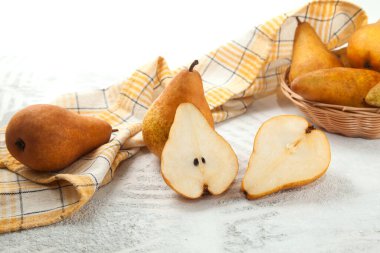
column 344, row 120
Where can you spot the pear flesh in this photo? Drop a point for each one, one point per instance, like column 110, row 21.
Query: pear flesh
column 49, row 138
column 287, row 153
column 195, row 156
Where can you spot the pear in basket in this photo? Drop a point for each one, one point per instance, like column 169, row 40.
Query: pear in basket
column 339, row 86
column 363, row 49
column 309, row 52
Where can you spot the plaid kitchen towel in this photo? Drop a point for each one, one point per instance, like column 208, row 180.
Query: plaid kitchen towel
column 233, row 76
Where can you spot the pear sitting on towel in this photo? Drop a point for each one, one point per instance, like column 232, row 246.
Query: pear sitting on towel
column 186, row 87
column 49, row 138
column 195, row 156
column 287, row 153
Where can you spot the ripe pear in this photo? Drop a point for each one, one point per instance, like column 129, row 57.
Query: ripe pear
column 49, row 138
column 186, row 87
column 196, row 156
column 363, row 50
column 339, row 86
column 309, row 52
column 288, row 152
column 373, row 96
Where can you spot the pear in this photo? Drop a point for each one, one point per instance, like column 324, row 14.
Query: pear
column 309, row 52
column 49, row 138
column 363, row 50
column 186, row 87
column 373, row 96
column 341, row 53
column 288, row 152
column 339, row 86
column 195, row 156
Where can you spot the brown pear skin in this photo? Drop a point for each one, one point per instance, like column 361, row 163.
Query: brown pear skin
column 373, row 96
column 186, row 87
column 49, row 138
column 363, row 50
column 339, row 86
column 309, row 52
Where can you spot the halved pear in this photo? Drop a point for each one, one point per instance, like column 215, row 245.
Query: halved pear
column 195, row 156
column 288, row 152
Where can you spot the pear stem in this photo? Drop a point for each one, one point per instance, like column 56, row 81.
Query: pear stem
column 115, row 130
column 193, row 65
column 309, row 129
column 298, row 20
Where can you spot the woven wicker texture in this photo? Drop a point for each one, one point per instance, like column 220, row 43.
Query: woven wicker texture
column 344, row 120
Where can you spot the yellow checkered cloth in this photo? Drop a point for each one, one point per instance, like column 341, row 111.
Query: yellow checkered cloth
column 233, row 76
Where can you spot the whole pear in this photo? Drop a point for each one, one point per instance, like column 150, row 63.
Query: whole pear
column 373, row 96
column 339, row 86
column 363, row 50
column 49, row 138
column 186, row 87
column 309, row 52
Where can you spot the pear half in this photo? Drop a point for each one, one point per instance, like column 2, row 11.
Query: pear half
column 288, row 152
column 195, row 156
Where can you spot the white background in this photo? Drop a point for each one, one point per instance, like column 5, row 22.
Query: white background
column 116, row 37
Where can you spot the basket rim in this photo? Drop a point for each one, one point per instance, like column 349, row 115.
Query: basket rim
column 300, row 101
